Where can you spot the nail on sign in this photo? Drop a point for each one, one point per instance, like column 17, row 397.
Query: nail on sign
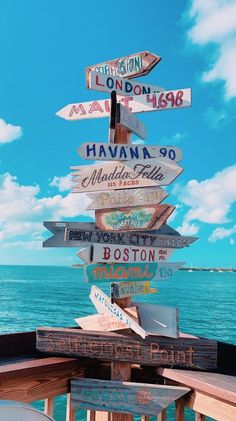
column 116, row 152
column 166, row 100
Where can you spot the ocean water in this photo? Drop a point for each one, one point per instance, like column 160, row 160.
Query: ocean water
column 33, row 296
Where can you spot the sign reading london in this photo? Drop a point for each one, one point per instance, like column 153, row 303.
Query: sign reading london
column 134, row 65
column 166, row 100
column 118, row 175
column 116, row 152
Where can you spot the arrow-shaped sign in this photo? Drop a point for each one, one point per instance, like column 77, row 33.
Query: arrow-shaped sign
column 132, row 272
column 103, row 305
column 116, row 152
column 128, row 174
column 128, row 289
column 111, row 253
column 166, row 100
column 79, row 234
column 126, row 119
column 108, row 83
column 132, row 197
column 134, row 65
column 133, row 219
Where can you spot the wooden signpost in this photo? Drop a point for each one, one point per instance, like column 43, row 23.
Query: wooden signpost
column 128, row 289
column 126, row 119
column 183, row 352
column 158, row 320
column 111, row 253
column 103, row 304
column 132, row 197
column 122, row 86
column 79, row 234
column 166, row 100
column 124, row 397
column 134, row 219
column 131, row 272
column 134, row 65
column 125, row 175
column 116, row 152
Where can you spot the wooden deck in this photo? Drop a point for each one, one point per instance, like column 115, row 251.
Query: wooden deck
column 27, row 375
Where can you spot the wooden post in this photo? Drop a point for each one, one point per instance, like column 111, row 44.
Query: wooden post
column 70, row 412
column 162, row 416
column 179, row 410
column 199, row 417
column 48, row 406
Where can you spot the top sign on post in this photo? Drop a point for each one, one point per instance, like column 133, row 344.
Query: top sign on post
column 132, row 66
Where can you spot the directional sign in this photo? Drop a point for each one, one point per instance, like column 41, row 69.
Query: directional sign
column 132, row 197
column 130, row 271
column 111, row 253
column 128, row 289
column 78, row 234
column 128, row 398
column 115, row 152
column 133, row 219
column 159, row 320
column 128, row 174
column 101, row 322
column 103, row 305
column 166, row 100
column 134, row 65
column 108, row 83
column 126, row 119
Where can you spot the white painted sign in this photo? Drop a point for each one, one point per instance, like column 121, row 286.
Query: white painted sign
column 116, row 152
column 103, row 305
column 126, row 119
column 112, row 253
column 108, row 83
column 124, row 175
column 166, row 100
column 18, row 411
column 132, row 197
column 100, row 322
column 134, row 65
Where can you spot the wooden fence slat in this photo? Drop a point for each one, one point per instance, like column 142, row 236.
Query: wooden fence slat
column 179, row 410
column 199, row 417
column 162, row 416
column 49, row 406
column 70, row 412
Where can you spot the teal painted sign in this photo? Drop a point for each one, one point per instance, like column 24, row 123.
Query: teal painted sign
column 120, row 272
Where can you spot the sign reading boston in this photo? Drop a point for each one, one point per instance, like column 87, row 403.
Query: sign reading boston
column 117, row 175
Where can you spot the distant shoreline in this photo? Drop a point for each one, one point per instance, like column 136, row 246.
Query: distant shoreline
column 206, row 269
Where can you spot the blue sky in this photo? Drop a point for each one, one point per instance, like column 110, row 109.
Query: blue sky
column 45, row 47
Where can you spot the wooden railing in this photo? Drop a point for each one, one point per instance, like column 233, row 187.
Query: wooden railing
column 28, row 376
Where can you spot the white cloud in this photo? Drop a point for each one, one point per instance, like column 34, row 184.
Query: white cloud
column 215, row 22
column 138, row 142
column 23, row 211
column 8, row 132
column 211, row 199
column 232, row 241
column 173, row 140
column 221, row 232
column 62, row 183
column 187, row 229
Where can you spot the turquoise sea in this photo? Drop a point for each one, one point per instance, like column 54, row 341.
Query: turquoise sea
column 33, row 296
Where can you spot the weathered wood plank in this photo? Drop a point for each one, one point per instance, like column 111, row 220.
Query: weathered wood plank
column 114, row 175
column 124, row 397
column 133, row 197
column 166, row 100
column 103, row 305
column 99, row 253
column 194, row 353
column 132, row 272
column 211, row 407
column 78, row 234
column 131, row 66
column 116, row 152
column 108, row 83
column 133, row 219
column 129, row 289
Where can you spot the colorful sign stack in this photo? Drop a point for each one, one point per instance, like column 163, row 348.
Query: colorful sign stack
column 130, row 243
